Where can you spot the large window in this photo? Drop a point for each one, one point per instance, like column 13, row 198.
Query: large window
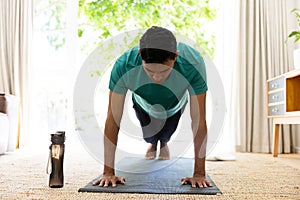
column 66, row 31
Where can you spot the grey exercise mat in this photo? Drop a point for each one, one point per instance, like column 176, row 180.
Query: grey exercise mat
column 154, row 176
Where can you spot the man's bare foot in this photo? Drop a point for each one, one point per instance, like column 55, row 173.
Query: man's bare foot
column 164, row 153
column 151, row 152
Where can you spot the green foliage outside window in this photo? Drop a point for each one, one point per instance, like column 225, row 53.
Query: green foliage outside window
column 190, row 18
column 100, row 19
column 50, row 18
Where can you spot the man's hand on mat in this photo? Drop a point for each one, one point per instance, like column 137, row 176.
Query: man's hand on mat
column 106, row 180
column 195, row 181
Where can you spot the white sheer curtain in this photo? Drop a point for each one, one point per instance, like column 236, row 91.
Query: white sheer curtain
column 15, row 40
column 224, row 61
column 54, row 71
column 262, row 53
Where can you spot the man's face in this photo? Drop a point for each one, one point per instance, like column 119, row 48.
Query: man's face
column 158, row 72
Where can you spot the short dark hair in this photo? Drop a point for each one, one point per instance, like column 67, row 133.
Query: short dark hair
column 158, row 45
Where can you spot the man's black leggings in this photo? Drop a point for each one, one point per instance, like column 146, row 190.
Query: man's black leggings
column 155, row 130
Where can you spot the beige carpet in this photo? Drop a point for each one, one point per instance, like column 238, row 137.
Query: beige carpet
column 251, row 176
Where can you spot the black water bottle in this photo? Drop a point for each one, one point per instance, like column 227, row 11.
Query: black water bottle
column 3, row 103
column 56, row 159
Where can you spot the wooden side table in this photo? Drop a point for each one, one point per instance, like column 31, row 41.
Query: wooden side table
column 283, row 102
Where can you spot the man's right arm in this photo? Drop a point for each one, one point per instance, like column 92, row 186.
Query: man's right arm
column 111, row 131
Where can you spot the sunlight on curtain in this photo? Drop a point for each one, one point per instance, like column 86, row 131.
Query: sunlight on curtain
column 224, row 54
column 15, row 43
column 54, row 67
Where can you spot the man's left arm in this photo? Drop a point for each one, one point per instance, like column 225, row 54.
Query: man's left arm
column 199, row 128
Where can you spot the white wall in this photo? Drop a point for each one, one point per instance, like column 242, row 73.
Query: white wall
column 292, row 22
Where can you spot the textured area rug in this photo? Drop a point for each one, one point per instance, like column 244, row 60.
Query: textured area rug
column 154, row 176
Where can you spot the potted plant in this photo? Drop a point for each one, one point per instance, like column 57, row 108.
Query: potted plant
column 296, row 35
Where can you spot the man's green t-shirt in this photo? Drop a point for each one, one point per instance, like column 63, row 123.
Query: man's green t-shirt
column 160, row 100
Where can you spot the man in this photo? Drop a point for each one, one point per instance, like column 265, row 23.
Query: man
column 162, row 76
